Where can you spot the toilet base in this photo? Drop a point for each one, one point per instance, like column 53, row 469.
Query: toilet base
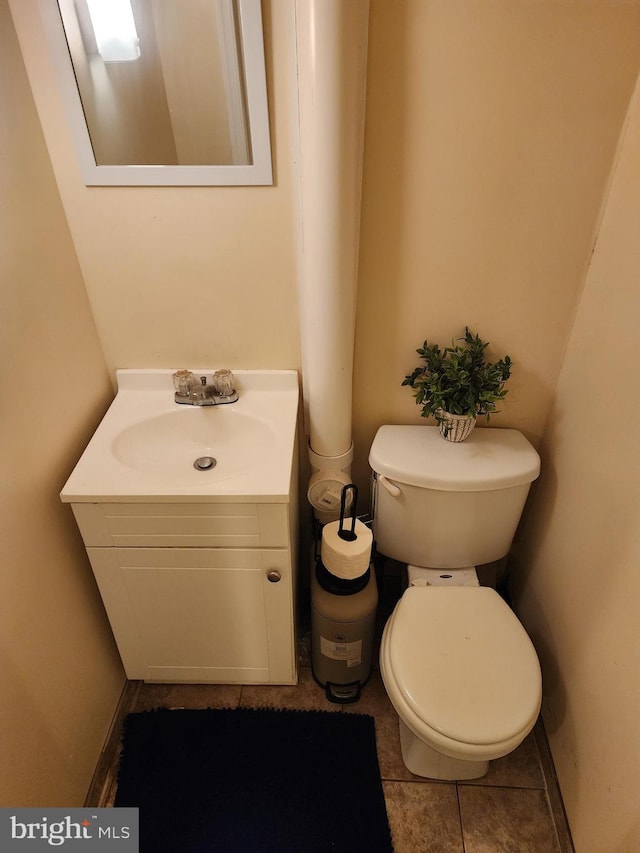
column 425, row 761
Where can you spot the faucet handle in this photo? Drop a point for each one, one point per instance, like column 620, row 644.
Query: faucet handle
column 183, row 382
column 224, row 382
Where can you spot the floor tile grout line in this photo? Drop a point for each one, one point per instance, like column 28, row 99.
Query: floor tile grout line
column 460, row 818
column 445, row 782
column 565, row 842
column 423, row 781
column 503, row 787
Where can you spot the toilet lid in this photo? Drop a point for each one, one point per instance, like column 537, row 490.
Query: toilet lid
column 464, row 664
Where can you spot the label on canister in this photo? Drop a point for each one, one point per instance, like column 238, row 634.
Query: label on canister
column 351, row 653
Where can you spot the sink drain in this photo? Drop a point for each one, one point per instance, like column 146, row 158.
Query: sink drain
column 204, row 463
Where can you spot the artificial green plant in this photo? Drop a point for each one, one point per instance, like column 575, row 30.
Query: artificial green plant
column 458, row 379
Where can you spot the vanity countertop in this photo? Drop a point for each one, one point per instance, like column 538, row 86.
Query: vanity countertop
column 145, row 447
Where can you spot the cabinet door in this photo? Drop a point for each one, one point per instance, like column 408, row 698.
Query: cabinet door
column 198, row 614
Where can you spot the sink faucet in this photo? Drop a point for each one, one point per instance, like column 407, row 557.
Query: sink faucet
column 189, row 392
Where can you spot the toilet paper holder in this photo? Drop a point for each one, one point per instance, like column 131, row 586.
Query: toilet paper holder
column 348, row 535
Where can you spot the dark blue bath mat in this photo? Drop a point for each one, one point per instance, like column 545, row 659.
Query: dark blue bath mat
column 246, row 781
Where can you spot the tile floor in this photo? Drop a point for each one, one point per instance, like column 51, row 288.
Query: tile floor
column 515, row 808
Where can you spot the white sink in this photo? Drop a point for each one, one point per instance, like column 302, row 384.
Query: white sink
column 168, row 445
column 146, row 445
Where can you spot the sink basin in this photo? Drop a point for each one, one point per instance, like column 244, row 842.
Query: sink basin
column 146, row 445
column 168, row 445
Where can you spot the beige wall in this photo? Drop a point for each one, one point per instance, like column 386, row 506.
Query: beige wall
column 490, row 132
column 184, row 276
column 60, row 676
column 579, row 578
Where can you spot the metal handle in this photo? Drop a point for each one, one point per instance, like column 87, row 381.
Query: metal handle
column 348, row 535
column 274, row 576
column 394, row 491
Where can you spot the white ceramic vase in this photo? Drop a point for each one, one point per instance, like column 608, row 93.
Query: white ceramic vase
column 454, row 427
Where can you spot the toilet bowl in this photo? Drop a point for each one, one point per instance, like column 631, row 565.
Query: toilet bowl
column 458, row 666
column 463, row 677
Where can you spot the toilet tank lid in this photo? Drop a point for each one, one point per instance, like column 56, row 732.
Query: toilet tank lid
column 419, row 456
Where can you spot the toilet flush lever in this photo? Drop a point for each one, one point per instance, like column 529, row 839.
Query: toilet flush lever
column 394, row 491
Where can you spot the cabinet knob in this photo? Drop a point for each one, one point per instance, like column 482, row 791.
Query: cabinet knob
column 274, row 576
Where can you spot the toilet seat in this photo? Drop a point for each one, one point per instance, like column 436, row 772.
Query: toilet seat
column 461, row 670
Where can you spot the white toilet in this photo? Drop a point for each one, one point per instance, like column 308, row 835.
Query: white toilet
column 457, row 664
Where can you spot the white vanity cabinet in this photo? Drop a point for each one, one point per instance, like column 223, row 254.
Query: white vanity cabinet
column 196, row 566
column 196, row 592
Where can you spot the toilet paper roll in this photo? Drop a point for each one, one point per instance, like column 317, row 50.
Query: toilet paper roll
column 346, row 560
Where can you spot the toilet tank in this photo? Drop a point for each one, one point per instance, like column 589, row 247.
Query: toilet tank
column 444, row 504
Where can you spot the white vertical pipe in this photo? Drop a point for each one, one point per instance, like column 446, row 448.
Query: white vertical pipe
column 332, row 53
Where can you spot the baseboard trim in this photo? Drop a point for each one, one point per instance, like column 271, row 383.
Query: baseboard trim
column 554, row 795
column 104, row 776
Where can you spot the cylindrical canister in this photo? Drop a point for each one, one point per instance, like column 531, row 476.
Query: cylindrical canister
column 342, row 632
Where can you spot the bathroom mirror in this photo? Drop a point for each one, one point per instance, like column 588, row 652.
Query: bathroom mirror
column 163, row 92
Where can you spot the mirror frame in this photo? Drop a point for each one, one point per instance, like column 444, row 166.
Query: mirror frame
column 259, row 173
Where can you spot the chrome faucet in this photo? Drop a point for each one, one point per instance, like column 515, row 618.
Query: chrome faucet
column 189, row 392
